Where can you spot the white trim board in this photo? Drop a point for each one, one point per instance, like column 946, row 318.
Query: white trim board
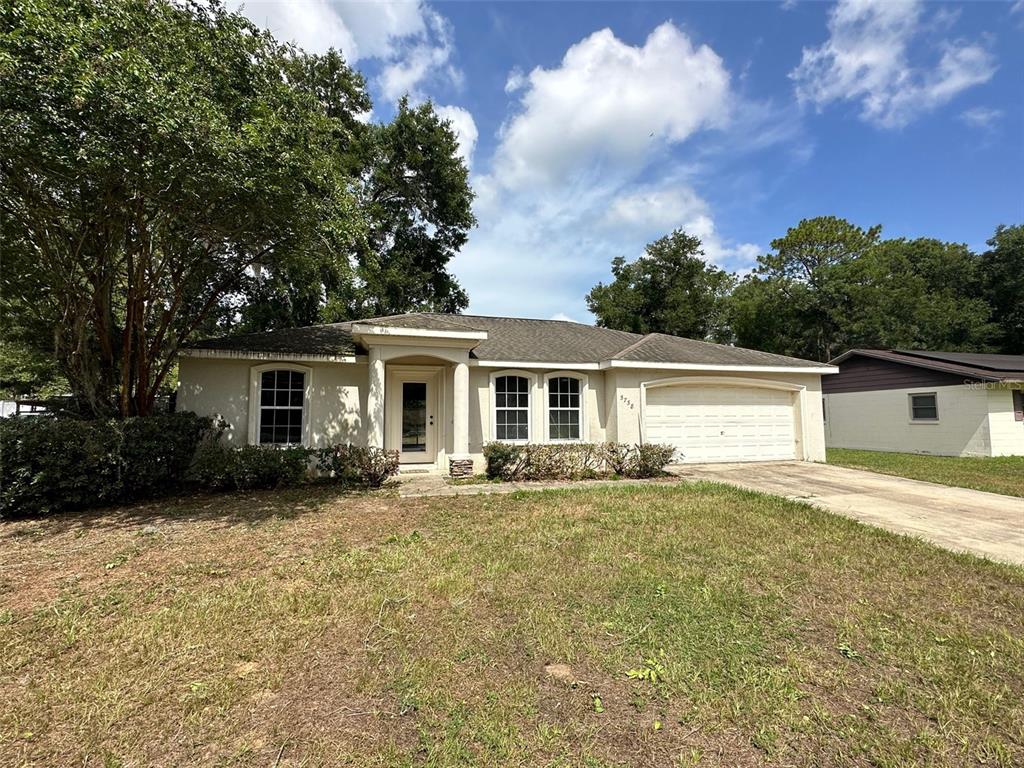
column 822, row 370
column 533, row 364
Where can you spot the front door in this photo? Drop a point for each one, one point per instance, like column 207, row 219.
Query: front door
column 412, row 413
column 417, row 444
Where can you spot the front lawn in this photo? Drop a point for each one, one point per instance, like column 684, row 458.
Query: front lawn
column 1004, row 474
column 673, row 625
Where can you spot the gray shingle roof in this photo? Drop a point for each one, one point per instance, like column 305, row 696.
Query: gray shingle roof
column 332, row 339
column 513, row 339
column 429, row 322
column 662, row 348
column 543, row 341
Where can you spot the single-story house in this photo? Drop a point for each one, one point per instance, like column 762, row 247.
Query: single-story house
column 438, row 387
column 912, row 401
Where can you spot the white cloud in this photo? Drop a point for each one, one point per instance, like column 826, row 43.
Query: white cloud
column 652, row 210
column 611, row 101
column 867, row 59
column 516, row 79
column 665, row 208
column 981, row 117
column 583, row 171
column 360, row 30
column 464, row 127
column 427, row 56
column 413, row 42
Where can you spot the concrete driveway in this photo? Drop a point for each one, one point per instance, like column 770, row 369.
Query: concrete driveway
column 960, row 519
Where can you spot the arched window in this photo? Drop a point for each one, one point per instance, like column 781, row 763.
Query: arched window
column 282, row 398
column 564, row 408
column 512, row 408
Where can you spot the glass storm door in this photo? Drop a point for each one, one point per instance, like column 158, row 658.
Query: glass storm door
column 415, row 422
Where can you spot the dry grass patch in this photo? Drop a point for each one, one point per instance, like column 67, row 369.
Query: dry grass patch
column 690, row 625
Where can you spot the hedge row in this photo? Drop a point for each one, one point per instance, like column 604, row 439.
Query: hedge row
column 575, row 461
column 219, row 467
column 50, row 465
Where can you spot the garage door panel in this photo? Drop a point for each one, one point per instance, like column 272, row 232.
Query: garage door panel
column 722, row 423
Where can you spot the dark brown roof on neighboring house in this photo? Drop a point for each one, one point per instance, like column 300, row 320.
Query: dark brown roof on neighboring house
column 513, row 339
column 981, row 366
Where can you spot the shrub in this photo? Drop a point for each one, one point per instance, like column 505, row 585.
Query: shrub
column 563, row 461
column 504, row 461
column 264, row 467
column 156, row 451
column 213, row 467
column 48, row 465
column 575, row 461
column 218, row 467
column 618, row 457
column 650, row 460
column 352, row 465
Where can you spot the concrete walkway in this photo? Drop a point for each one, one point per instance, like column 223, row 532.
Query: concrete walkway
column 960, row 519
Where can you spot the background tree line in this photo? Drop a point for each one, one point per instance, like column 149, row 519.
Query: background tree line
column 825, row 287
column 169, row 170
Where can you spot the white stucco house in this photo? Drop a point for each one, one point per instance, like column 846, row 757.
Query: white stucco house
column 913, row 401
column 437, row 387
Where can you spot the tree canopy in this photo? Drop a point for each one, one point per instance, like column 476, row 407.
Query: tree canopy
column 1002, row 277
column 670, row 289
column 169, row 169
column 828, row 285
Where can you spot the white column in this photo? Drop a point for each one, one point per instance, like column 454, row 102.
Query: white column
column 460, row 411
column 375, row 401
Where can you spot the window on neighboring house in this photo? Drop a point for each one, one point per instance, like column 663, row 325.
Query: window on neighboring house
column 564, row 408
column 924, row 407
column 512, row 408
column 282, row 395
column 1018, row 405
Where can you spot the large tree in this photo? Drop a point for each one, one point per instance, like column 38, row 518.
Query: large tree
column 670, row 289
column 169, row 169
column 830, row 286
column 416, row 206
column 1002, row 274
column 917, row 294
column 793, row 302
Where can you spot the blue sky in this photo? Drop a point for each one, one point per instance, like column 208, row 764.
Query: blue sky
column 593, row 128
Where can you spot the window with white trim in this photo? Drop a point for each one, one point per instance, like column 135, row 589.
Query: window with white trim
column 282, row 397
column 924, row 407
column 511, row 408
column 564, row 408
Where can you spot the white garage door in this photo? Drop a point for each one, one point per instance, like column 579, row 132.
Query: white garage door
column 720, row 423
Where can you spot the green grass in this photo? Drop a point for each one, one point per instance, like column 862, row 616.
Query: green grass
column 698, row 625
column 1004, row 474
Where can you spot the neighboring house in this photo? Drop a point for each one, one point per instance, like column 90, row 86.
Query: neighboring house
column 437, row 387
column 946, row 403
